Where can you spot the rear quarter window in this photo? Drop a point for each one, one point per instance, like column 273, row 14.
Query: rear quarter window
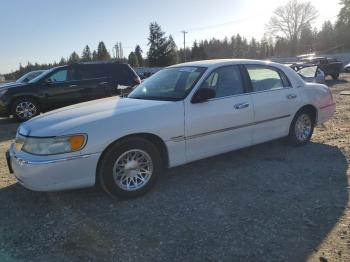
column 123, row 74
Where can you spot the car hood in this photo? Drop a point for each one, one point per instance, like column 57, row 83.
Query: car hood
column 9, row 85
column 60, row 121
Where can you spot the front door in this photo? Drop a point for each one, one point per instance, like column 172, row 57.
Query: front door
column 61, row 89
column 221, row 124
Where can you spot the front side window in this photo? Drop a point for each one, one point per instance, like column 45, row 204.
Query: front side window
column 59, row 76
column 169, row 84
column 264, row 78
column 226, row 81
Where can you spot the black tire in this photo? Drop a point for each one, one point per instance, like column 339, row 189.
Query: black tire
column 335, row 76
column 105, row 176
column 33, row 105
column 292, row 137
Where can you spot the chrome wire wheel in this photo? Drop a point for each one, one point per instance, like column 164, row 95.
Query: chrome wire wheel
column 26, row 110
column 303, row 127
column 132, row 170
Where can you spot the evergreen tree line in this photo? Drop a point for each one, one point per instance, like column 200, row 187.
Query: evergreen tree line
column 100, row 54
column 332, row 37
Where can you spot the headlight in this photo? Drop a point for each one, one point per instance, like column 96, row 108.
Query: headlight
column 2, row 92
column 51, row 146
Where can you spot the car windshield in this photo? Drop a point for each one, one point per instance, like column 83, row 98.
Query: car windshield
column 170, row 84
column 29, row 76
column 41, row 76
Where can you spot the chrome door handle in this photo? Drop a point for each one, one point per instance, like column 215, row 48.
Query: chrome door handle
column 103, row 83
column 72, row 86
column 241, row 106
column 291, row 96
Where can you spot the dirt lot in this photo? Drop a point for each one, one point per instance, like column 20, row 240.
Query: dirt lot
column 270, row 202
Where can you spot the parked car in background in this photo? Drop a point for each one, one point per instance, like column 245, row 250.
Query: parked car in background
column 25, row 78
column 330, row 66
column 347, row 68
column 66, row 85
column 181, row 114
column 310, row 73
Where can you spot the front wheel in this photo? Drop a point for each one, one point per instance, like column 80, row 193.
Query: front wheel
column 25, row 108
column 302, row 128
column 129, row 168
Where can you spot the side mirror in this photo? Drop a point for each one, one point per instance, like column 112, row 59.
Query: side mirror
column 47, row 81
column 203, row 95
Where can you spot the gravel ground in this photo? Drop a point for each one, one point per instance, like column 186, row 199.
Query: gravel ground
column 270, row 202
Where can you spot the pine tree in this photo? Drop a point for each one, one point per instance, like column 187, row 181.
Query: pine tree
column 253, row 49
column 133, row 61
column 86, row 55
column 171, row 56
column 94, row 56
column 343, row 24
column 63, row 61
column 102, row 53
column 307, row 40
column 138, row 53
column 158, row 46
column 74, row 58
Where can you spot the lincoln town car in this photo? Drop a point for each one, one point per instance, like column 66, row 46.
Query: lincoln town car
column 181, row 114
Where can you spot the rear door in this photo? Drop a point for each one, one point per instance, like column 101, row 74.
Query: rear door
column 95, row 80
column 275, row 102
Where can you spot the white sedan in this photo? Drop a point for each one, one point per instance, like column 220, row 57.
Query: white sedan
column 181, row 114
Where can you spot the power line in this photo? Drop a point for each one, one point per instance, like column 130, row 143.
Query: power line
column 223, row 24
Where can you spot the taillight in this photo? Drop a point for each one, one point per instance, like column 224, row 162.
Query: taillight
column 137, row 81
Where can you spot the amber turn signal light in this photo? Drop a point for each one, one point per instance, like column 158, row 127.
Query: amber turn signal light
column 76, row 142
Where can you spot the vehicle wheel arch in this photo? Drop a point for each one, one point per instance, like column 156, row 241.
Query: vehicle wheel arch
column 312, row 109
column 155, row 139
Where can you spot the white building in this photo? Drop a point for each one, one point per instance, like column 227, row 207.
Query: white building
column 2, row 78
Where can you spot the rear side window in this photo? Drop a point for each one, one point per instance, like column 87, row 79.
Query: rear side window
column 226, row 81
column 265, row 78
column 123, row 74
column 94, row 71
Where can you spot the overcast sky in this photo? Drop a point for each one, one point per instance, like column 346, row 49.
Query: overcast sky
column 43, row 31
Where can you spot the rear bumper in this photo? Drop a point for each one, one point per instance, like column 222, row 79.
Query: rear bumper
column 325, row 113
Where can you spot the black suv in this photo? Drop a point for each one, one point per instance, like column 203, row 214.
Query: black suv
column 66, row 85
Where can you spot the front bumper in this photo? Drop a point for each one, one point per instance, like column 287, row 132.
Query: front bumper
column 53, row 174
column 4, row 112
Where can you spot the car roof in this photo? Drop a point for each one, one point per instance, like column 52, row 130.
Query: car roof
column 101, row 63
column 222, row 62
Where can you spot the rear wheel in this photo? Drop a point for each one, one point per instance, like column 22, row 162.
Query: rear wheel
column 335, row 76
column 25, row 108
column 302, row 128
column 129, row 168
